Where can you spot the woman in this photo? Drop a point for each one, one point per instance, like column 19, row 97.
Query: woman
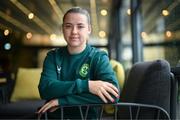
column 76, row 73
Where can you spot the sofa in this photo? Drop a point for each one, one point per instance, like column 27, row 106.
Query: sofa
column 20, row 97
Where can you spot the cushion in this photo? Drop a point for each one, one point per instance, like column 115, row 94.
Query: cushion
column 119, row 71
column 26, row 86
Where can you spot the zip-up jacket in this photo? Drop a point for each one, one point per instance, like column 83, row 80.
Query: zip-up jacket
column 65, row 76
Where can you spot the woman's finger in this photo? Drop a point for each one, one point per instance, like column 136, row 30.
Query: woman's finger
column 43, row 107
column 111, row 91
column 113, row 87
column 102, row 96
column 53, row 109
column 107, row 95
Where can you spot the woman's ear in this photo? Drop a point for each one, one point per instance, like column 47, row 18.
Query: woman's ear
column 89, row 29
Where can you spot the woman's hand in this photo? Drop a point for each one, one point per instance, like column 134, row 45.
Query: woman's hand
column 52, row 105
column 104, row 90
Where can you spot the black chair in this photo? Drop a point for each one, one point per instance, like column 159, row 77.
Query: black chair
column 134, row 111
column 176, row 72
column 151, row 83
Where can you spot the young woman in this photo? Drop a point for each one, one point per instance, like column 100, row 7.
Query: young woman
column 77, row 73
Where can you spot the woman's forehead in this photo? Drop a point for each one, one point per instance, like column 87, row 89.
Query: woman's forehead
column 76, row 17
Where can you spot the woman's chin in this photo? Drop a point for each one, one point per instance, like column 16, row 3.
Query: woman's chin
column 74, row 45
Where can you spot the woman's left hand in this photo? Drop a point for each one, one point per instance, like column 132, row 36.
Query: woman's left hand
column 52, row 105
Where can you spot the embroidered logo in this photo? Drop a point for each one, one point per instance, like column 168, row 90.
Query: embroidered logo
column 84, row 70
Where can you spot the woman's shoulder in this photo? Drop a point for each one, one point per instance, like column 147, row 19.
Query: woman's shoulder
column 99, row 52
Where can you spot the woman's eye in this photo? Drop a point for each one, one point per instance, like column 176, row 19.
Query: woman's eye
column 67, row 26
column 80, row 27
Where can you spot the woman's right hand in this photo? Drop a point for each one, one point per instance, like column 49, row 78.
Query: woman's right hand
column 104, row 90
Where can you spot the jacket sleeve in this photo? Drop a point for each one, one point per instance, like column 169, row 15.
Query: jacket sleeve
column 103, row 71
column 50, row 87
column 83, row 98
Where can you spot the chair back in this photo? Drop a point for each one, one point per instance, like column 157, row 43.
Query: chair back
column 134, row 111
column 149, row 83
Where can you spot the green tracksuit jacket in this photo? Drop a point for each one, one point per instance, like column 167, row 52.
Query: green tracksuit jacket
column 66, row 76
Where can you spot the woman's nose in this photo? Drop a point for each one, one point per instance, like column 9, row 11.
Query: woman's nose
column 74, row 30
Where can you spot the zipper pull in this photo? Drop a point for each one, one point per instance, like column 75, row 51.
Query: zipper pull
column 58, row 69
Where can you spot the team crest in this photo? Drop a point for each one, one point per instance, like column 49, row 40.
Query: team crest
column 84, row 70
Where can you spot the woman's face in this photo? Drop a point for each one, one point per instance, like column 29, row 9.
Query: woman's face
column 76, row 29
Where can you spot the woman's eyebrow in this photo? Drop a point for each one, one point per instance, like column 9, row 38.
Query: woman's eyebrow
column 68, row 23
column 80, row 24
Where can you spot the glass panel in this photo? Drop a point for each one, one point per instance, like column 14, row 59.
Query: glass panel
column 161, row 25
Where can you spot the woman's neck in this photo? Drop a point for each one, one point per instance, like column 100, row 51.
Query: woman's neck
column 76, row 50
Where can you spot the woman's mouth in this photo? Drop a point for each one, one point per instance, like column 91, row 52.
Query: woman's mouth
column 74, row 38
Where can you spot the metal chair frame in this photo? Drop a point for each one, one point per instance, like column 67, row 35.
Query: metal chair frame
column 159, row 111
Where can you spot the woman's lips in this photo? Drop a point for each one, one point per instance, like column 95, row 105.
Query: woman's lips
column 74, row 38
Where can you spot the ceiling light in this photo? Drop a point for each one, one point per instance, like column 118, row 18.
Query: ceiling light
column 7, row 46
column 29, row 35
column 103, row 12
column 129, row 11
column 53, row 36
column 30, row 15
column 144, row 35
column 6, row 32
column 102, row 34
column 165, row 12
column 168, row 34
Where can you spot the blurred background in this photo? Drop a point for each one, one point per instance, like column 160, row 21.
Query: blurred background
column 131, row 31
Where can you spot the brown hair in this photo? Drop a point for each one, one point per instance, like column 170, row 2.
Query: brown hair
column 78, row 10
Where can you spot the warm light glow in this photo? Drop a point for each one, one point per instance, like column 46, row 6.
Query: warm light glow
column 102, row 34
column 129, row 11
column 29, row 35
column 30, row 15
column 6, row 32
column 144, row 35
column 53, row 37
column 165, row 12
column 103, row 12
column 168, row 34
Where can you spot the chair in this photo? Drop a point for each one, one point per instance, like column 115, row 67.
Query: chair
column 135, row 111
column 20, row 96
column 176, row 72
column 151, row 83
column 147, row 94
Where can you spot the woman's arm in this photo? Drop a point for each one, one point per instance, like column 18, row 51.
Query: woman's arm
column 51, row 87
